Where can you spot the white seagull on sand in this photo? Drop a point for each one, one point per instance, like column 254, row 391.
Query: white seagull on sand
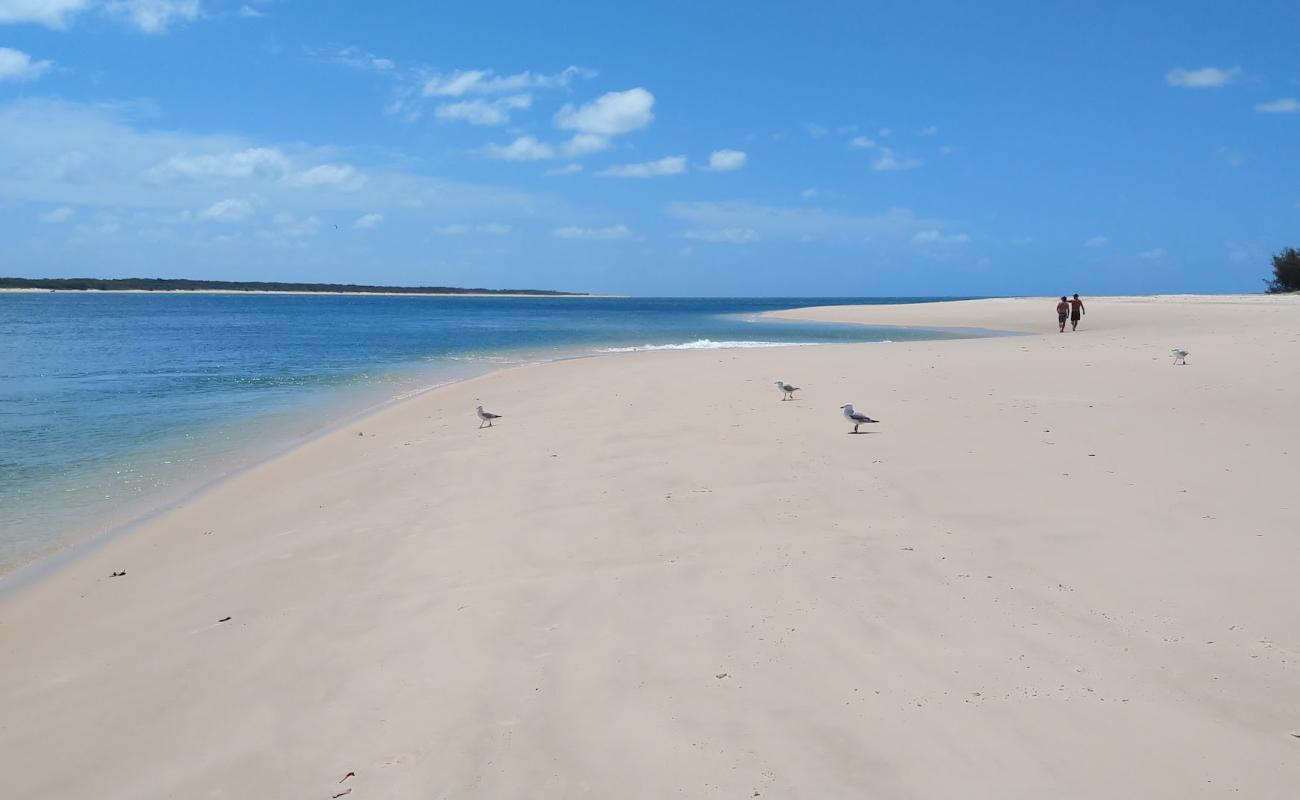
column 855, row 417
column 486, row 416
column 1180, row 356
column 787, row 391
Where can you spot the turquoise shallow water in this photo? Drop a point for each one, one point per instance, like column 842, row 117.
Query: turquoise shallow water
column 113, row 403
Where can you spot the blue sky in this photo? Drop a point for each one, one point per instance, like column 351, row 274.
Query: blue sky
column 763, row 148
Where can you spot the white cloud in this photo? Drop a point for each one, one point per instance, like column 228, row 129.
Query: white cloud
column 58, row 215
column 1096, row 241
column 353, row 57
column 611, row 233
column 726, row 160
column 55, row 14
column 583, row 143
column 1152, row 254
column 723, row 235
column 15, row 65
column 888, row 161
column 884, row 132
column 778, row 222
column 567, row 169
column 1283, row 105
column 929, row 130
column 670, row 165
column 525, row 148
column 946, row 149
column 253, row 161
column 809, row 193
column 249, row 12
column 367, row 222
column 932, row 236
column 483, row 112
column 816, row 131
column 230, row 210
column 154, row 16
column 339, row 176
column 1203, row 78
column 461, row 229
column 611, row 114
column 862, row 142
column 485, row 81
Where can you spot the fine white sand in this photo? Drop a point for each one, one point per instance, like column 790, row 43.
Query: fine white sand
column 1059, row 567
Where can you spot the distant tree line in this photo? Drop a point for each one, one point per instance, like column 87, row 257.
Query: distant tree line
column 182, row 284
column 1286, row 272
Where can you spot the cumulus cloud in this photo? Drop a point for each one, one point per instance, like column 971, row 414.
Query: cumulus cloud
column 264, row 161
column 795, row 223
column 932, row 236
column 154, row 16
column 889, row 161
column 230, row 210
column 367, row 222
column 1096, row 241
column 1203, row 78
column 525, row 148
column 486, row 81
column 726, row 160
column 583, row 143
column 339, row 176
column 862, row 143
column 567, row 169
column 670, row 165
column 593, row 234
column 17, row 66
column 1284, row 105
column 58, row 215
column 57, row 14
column 462, row 228
column 353, row 57
column 483, row 112
column 611, row 114
column 723, row 235
column 1152, row 254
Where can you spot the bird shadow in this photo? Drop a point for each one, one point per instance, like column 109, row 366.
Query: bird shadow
column 863, row 433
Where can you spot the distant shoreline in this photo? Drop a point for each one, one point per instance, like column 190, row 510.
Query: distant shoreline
column 11, row 290
column 177, row 285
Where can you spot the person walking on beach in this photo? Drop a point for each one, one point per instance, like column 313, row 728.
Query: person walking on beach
column 1076, row 311
column 1062, row 311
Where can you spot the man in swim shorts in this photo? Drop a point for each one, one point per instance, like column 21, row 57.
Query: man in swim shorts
column 1062, row 311
column 1076, row 311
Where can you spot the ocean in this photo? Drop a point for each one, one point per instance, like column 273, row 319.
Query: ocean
column 112, row 405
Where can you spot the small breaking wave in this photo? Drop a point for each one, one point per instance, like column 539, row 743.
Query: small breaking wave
column 704, row 344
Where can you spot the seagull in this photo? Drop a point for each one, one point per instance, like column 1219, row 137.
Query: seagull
column 856, row 418
column 1180, row 356
column 486, row 416
column 787, row 391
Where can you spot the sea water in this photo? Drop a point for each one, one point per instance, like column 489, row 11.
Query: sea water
column 111, row 404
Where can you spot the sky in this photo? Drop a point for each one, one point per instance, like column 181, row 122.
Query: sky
column 743, row 149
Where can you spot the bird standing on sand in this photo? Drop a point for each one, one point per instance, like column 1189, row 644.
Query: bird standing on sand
column 787, row 391
column 856, row 418
column 1180, row 356
column 486, row 416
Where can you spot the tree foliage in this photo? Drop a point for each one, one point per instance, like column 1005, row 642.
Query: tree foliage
column 1286, row 272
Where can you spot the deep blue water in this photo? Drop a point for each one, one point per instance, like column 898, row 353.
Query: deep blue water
column 110, row 401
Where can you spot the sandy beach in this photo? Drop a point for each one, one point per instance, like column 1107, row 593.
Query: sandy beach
column 1060, row 566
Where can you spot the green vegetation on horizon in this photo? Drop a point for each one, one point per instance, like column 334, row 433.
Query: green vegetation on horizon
column 185, row 284
column 1286, row 272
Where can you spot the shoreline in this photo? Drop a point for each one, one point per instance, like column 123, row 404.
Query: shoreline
column 956, row 582
column 88, row 538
